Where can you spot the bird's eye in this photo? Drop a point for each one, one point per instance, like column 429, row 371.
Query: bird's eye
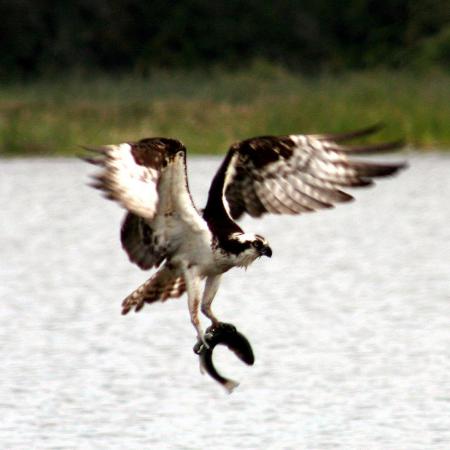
column 257, row 244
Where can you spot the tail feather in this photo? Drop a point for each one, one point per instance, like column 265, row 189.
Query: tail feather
column 163, row 285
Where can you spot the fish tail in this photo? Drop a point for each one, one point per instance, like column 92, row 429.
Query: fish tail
column 230, row 385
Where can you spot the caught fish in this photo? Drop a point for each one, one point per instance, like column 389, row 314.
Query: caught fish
column 224, row 334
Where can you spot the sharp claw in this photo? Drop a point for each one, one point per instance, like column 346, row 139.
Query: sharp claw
column 224, row 334
column 202, row 343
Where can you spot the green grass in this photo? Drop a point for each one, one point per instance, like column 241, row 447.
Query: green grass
column 210, row 110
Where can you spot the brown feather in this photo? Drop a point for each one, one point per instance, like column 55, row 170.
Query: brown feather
column 294, row 174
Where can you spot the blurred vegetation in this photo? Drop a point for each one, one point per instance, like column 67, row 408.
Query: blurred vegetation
column 138, row 35
column 208, row 110
column 100, row 71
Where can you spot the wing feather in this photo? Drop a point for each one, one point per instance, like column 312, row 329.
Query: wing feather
column 140, row 242
column 346, row 136
column 148, row 178
column 266, row 198
column 284, row 195
column 279, row 197
column 130, row 174
column 298, row 173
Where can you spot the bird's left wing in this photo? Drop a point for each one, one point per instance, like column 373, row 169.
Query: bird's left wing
column 296, row 173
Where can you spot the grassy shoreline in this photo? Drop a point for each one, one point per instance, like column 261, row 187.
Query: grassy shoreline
column 209, row 111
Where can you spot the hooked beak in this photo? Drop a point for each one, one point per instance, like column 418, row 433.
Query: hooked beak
column 266, row 251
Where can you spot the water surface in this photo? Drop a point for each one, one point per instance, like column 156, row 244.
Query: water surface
column 349, row 322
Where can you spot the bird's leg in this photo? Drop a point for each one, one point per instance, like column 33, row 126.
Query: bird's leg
column 211, row 286
column 192, row 281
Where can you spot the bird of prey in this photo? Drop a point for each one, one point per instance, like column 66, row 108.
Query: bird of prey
column 291, row 174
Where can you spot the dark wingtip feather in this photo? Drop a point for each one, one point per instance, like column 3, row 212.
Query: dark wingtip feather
column 346, row 136
column 374, row 148
column 98, row 150
column 378, row 169
column 94, row 161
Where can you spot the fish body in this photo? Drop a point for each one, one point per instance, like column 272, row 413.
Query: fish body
column 223, row 334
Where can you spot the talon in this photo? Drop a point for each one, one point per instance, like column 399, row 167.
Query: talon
column 203, row 340
column 202, row 343
column 198, row 347
column 224, row 334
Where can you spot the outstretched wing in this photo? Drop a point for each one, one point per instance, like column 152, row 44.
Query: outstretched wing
column 296, row 173
column 148, row 178
column 131, row 172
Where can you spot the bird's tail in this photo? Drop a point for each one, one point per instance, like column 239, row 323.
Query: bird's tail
column 162, row 285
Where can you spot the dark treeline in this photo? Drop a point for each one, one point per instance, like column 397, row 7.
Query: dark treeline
column 50, row 36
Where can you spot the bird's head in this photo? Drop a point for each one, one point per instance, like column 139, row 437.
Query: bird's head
column 261, row 246
column 251, row 246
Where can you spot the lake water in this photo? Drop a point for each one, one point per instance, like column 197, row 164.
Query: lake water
column 349, row 321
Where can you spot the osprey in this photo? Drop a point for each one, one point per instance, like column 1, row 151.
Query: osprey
column 290, row 174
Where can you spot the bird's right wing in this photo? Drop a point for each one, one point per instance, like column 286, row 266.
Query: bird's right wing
column 130, row 173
